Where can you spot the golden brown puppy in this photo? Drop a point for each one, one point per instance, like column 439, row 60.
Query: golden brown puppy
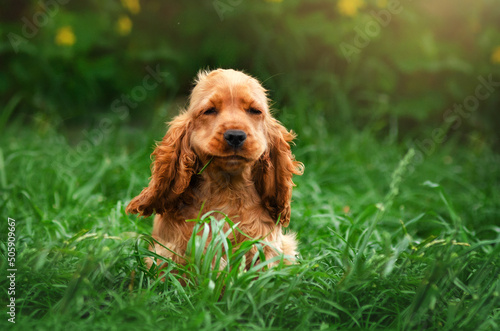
column 249, row 177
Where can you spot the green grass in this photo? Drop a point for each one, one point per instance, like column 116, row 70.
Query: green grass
column 386, row 243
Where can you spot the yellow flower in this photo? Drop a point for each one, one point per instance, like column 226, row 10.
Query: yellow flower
column 65, row 36
column 495, row 56
column 133, row 6
column 124, row 25
column 349, row 7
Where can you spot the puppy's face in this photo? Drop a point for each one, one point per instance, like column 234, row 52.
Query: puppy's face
column 229, row 111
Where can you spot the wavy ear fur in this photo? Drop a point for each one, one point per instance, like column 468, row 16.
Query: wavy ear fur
column 273, row 173
column 174, row 165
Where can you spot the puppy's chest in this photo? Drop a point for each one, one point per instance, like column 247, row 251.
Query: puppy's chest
column 241, row 206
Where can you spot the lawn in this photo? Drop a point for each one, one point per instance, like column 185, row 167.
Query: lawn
column 391, row 238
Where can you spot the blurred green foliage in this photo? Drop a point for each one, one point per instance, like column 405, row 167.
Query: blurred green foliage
column 393, row 65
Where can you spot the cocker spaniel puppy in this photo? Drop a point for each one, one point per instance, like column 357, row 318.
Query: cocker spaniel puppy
column 249, row 174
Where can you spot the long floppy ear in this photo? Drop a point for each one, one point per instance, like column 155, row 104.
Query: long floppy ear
column 174, row 165
column 273, row 173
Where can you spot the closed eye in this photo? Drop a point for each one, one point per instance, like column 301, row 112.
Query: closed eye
column 210, row 111
column 254, row 111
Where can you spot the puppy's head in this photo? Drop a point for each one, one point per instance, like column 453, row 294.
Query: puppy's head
column 228, row 123
column 229, row 112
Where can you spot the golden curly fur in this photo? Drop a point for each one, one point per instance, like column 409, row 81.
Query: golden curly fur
column 249, row 177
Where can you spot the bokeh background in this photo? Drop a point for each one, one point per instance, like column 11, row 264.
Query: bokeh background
column 398, row 67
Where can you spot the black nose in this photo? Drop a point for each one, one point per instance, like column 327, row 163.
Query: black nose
column 235, row 138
